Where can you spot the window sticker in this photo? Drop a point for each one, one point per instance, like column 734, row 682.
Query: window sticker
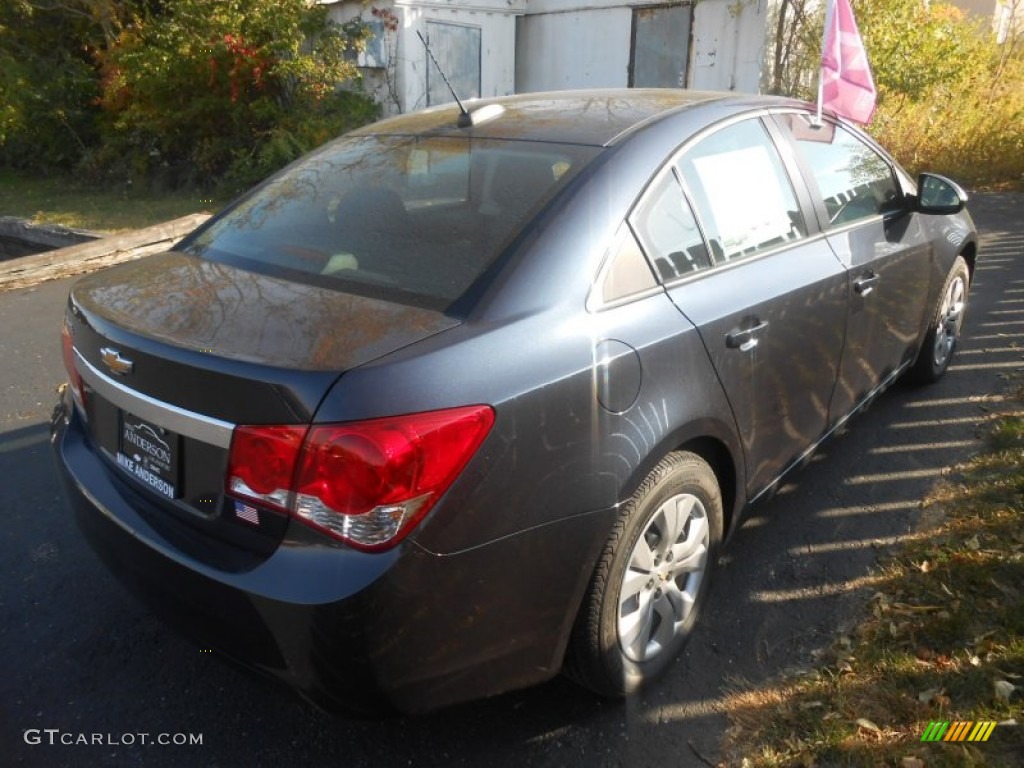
column 745, row 199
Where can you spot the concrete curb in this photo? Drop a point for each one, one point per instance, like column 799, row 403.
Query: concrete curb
column 104, row 252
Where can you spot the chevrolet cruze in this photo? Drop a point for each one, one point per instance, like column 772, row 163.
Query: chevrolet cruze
column 466, row 399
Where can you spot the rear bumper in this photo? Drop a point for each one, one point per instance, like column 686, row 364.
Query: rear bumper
column 350, row 631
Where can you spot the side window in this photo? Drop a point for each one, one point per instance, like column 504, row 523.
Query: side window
column 743, row 195
column 628, row 272
column 854, row 180
column 668, row 231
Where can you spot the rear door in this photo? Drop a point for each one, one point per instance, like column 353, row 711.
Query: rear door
column 767, row 296
column 859, row 202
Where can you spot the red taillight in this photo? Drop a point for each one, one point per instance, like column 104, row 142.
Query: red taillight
column 74, row 379
column 368, row 483
column 261, row 463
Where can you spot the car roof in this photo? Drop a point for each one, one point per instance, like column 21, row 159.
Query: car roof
column 592, row 117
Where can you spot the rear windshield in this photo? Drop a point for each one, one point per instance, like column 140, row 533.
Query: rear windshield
column 409, row 219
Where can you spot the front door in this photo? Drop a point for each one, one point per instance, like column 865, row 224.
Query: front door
column 885, row 253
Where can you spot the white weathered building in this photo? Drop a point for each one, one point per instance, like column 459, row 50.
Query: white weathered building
column 1007, row 16
column 499, row 47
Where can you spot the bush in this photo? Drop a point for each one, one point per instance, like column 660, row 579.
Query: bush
column 972, row 129
column 214, row 90
column 173, row 93
column 294, row 136
column 950, row 99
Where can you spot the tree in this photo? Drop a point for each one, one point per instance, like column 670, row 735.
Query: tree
column 949, row 99
column 48, row 83
column 915, row 46
column 795, row 47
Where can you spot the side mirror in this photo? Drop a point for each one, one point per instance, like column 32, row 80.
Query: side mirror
column 939, row 195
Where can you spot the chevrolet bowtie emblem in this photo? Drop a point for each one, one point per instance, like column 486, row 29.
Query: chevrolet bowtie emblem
column 113, row 360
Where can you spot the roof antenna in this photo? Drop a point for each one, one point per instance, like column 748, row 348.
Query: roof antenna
column 465, row 119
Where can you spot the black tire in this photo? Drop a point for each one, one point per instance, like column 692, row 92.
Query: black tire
column 635, row 620
column 943, row 336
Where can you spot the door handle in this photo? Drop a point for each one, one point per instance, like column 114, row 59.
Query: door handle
column 866, row 284
column 746, row 339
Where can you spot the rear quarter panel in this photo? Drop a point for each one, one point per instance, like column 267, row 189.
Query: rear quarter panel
column 533, row 351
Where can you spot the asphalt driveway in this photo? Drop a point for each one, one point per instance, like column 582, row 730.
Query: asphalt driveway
column 80, row 661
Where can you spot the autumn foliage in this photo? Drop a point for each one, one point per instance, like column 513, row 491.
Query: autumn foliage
column 950, row 95
column 196, row 93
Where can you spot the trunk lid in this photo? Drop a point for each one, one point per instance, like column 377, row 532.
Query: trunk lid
column 175, row 351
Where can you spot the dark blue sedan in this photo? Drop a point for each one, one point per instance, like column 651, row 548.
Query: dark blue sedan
column 458, row 402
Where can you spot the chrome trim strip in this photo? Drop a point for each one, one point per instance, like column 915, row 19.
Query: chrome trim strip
column 203, row 428
column 723, row 266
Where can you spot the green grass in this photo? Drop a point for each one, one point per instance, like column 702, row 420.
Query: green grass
column 942, row 640
column 60, row 200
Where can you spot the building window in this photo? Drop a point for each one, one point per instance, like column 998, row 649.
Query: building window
column 660, row 48
column 457, row 50
column 374, row 55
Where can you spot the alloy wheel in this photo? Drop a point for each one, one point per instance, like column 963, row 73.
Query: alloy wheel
column 663, row 578
column 950, row 317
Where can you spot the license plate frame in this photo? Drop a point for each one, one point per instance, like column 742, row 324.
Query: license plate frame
column 149, row 453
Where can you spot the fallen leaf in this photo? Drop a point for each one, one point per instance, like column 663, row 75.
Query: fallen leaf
column 984, row 636
column 908, row 608
column 911, row 762
column 1004, row 690
column 927, row 696
column 863, row 722
column 973, row 544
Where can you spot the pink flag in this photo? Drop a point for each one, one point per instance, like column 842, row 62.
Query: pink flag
column 845, row 86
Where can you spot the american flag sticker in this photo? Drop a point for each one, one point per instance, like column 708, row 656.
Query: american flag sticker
column 247, row 513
